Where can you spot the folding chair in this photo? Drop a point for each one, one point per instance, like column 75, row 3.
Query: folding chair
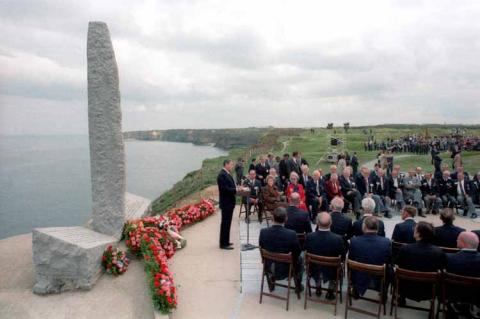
column 331, row 262
column 449, row 281
column 279, row 258
column 432, row 278
column 372, row 270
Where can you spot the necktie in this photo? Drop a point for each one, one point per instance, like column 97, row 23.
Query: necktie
column 318, row 190
column 461, row 188
column 381, row 182
column 335, row 187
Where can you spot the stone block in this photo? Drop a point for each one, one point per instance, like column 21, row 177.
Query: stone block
column 136, row 206
column 67, row 258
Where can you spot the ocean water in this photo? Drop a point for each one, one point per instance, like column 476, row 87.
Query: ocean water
column 45, row 180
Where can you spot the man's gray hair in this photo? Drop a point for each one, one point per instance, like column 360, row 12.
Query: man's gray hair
column 337, row 204
column 368, row 205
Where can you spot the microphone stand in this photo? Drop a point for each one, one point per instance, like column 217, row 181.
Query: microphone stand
column 248, row 246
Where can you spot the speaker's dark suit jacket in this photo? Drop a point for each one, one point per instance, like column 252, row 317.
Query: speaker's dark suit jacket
column 446, row 235
column 369, row 249
column 278, row 239
column 403, row 232
column 419, row 256
column 227, row 190
column 327, row 244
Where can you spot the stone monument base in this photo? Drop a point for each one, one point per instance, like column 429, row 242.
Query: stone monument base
column 67, row 258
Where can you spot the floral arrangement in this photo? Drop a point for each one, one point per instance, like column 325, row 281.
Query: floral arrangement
column 114, row 261
column 156, row 239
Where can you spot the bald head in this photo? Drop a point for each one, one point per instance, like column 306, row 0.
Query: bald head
column 324, row 220
column 467, row 239
column 295, row 199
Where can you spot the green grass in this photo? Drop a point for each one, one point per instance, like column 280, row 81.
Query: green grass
column 317, row 145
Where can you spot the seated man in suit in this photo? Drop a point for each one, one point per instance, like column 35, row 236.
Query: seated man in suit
column 465, row 263
column 332, row 187
column 403, row 232
column 446, row 190
column 369, row 249
column 430, row 194
column 255, row 193
column 420, row 256
column 380, row 187
column 368, row 206
column 446, row 235
column 297, row 219
column 324, row 243
column 316, row 196
column 278, row 239
column 464, row 198
column 349, row 191
column 341, row 224
column 395, row 187
column 365, row 185
column 411, row 191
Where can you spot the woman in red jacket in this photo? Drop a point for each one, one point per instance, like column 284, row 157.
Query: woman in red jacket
column 295, row 187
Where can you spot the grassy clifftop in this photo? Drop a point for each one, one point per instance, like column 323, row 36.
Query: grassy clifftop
column 222, row 138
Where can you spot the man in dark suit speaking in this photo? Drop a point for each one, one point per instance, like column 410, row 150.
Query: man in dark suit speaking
column 227, row 190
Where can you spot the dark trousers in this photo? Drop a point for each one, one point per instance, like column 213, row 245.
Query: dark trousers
column 227, row 214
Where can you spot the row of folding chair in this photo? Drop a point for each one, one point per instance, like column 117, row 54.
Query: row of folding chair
column 441, row 282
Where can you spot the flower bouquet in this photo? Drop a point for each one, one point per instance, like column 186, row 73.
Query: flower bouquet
column 115, row 261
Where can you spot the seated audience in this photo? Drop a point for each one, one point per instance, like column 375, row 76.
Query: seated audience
column 365, row 185
column 368, row 206
column 332, row 187
column 420, row 256
column 297, row 219
column 276, row 180
column 296, row 187
column 341, row 224
column 446, row 190
column 271, row 196
column 411, row 190
column 430, row 194
column 404, row 231
column 349, row 191
column 369, row 249
column 463, row 195
column 324, row 243
column 465, row 263
column 316, row 196
column 278, row 239
column 395, row 187
column 255, row 193
column 446, row 235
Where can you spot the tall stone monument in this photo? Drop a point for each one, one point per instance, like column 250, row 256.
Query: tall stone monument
column 107, row 152
column 70, row 257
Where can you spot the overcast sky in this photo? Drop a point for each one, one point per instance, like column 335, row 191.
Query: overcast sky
column 213, row 64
